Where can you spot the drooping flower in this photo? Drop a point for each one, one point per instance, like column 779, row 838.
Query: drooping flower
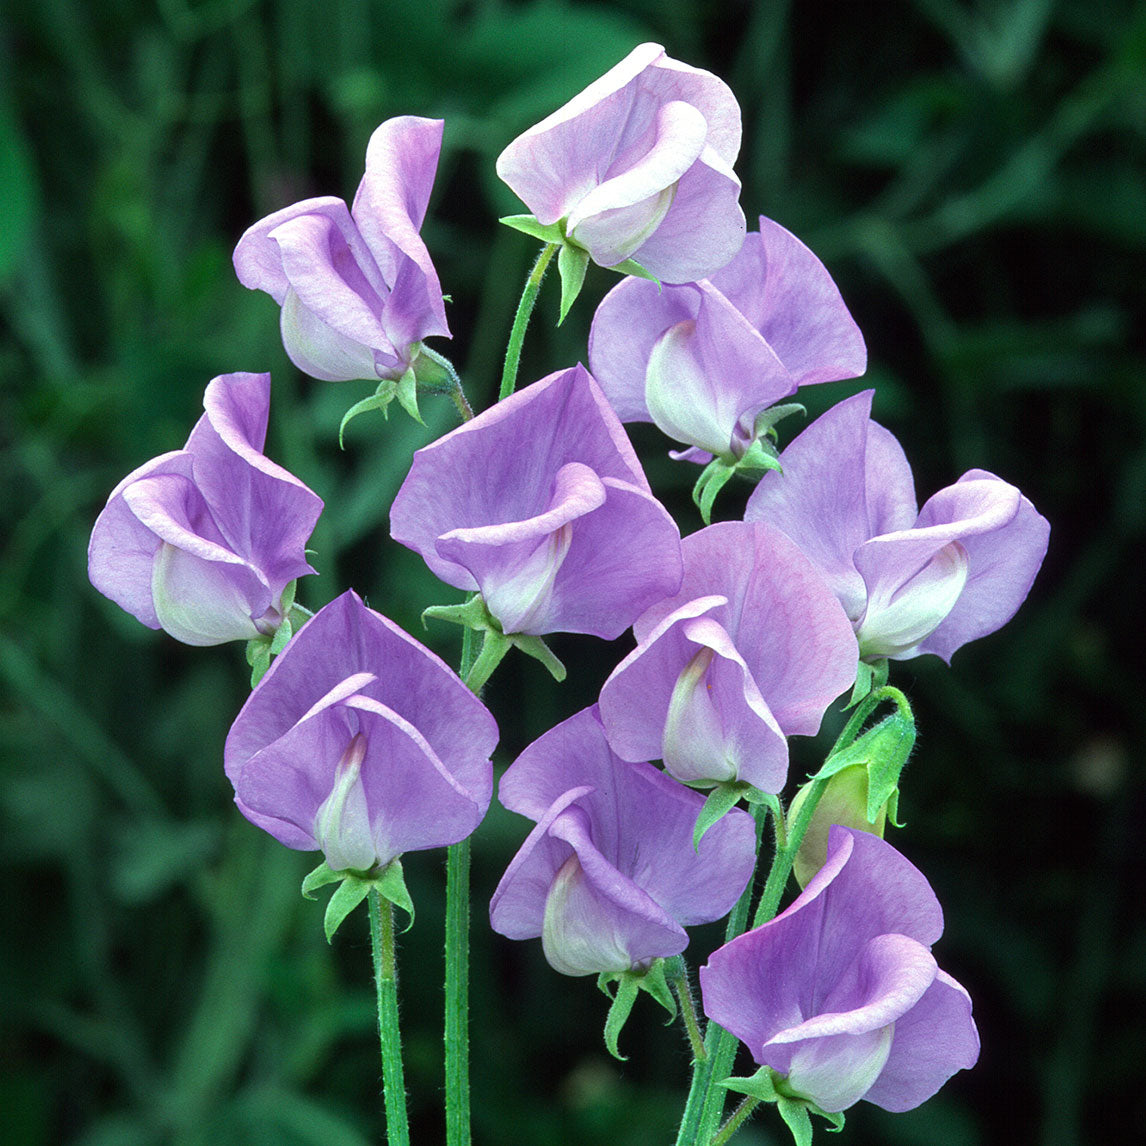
column 840, row 993
column 541, row 505
column 751, row 649
column 203, row 541
column 361, row 743
column 704, row 360
column 357, row 288
column 609, row 877
column 911, row 582
column 638, row 166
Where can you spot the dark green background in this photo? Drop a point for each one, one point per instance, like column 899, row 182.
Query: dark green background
column 973, row 176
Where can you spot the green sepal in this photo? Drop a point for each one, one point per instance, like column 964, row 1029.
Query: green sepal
column 262, row 648
column 720, row 801
column 572, row 263
column 713, row 478
column 354, row 887
column 258, row 657
column 347, row 896
column 320, row 877
column 760, row 457
column 766, row 420
column 379, row 400
column 629, row 985
column 528, row 224
column 632, row 267
column 870, row 675
column 535, row 647
column 887, row 761
column 473, row 614
column 767, row 1085
column 406, row 391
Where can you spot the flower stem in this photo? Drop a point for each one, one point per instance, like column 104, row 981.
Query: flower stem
column 386, row 986
column 735, row 1120
column 683, row 991
column 521, row 319
column 457, row 1035
column 706, row 1102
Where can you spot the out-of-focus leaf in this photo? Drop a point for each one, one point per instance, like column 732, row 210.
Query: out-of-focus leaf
column 19, row 194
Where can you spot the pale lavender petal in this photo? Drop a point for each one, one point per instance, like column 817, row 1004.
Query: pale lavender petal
column 401, row 162
column 264, row 512
column 786, row 293
column 936, row 1038
column 1002, row 566
column 319, row 350
column 784, row 621
column 122, row 549
column 820, row 498
column 703, row 229
column 627, row 324
column 642, row 821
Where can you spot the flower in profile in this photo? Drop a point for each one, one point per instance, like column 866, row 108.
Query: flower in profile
column 357, row 288
column 203, row 542
column 361, row 743
column 911, row 582
column 541, row 505
column 704, row 360
column 751, row 649
column 638, row 166
column 609, row 877
column 840, row 995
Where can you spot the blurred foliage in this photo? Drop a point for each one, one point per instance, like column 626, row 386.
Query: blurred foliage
column 972, row 172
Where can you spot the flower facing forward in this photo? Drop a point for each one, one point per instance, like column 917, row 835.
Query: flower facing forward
column 541, row 505
column 840, row 994
column 357, row 288
column 638, row 166
column 911, row 581
column 752, row 648
column 609, row 877
column 361, row 743
column 703, row 360
column 203, row 541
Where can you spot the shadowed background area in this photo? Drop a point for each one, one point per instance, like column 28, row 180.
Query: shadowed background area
column 971, row 172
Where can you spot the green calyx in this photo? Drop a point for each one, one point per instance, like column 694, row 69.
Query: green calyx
column 474, row 614
column 354, row 887
column 767, row 1085
column 260, row 650
column 721, row 800
column 629, row 984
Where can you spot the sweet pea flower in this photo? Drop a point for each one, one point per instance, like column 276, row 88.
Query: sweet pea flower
column 751, row 649
column 703, row 360
column 638, row 166
column 540, row 504
column 357, row 288
column 840, row 993
column 361, row 743
column 911, row 582
column 203, row 541
column 609, row 877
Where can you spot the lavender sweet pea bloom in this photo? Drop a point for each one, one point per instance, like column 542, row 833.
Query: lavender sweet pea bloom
column 639, row 166
column 361, row 743
column 609, row 878
column 751, row 649
column 202, row 541
column 911, row 582
column 703, row 360
column 540, row 503
column 841, row 993
column 357, row 288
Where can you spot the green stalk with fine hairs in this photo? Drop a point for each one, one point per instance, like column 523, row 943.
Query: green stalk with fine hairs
column 521, row 319
column 386, row 988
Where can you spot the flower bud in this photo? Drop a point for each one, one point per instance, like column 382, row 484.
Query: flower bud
column 844, row 802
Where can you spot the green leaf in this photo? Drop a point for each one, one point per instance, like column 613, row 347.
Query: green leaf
column 527, row 224
column 572, row 263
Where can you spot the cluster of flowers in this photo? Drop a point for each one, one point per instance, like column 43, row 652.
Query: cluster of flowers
column 361, row 743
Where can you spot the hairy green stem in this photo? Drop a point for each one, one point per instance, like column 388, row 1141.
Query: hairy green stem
column 386, row 986
column 682, row 988
column 457, row 1034
column 735, row 1120
column 521, row 319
